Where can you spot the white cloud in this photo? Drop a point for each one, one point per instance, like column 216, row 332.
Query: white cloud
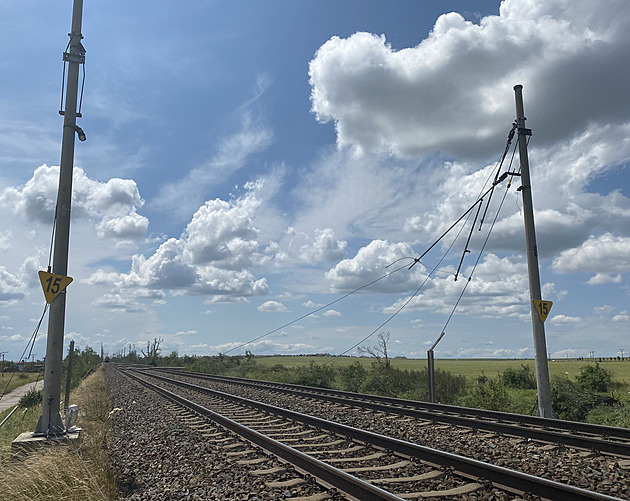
column 11, row 286
column 311, row 304
column 565, row 319
column 604, row 254
column 331, row 313
column 621, row 317
column 453, row 92
column 604, row 278
column 113, row 204
column 273, row 306
column 498, row 288
column 324, row 247
column 211, row 257
column 371, row 263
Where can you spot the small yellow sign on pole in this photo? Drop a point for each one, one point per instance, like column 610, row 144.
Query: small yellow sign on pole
column 543, row 308
column 53, row 284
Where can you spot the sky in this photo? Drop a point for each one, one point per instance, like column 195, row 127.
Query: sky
column 267, row 172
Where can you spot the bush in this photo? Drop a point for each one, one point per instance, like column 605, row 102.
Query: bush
column 523, row 378
column 448, row 386
column 319, row 376
column 490, row 394
column 352, row 377
column 30, row 399
column 569, row 400
column 594, row 378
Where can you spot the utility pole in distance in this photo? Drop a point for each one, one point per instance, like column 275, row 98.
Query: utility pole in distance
column 540, row 345
column 50, row 422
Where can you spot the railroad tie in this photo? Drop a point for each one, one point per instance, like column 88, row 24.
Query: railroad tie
column 430, row 475
column 285, row 483
column 313, row 446
column 392, row 466
column 269, row 471
column 369, row 457
column 457, row 491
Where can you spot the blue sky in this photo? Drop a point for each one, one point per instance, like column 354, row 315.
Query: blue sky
column 248, row 163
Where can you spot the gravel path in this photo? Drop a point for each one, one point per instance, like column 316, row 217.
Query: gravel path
column 12, row 398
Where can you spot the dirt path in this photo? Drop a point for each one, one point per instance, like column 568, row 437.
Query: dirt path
column 13, row 397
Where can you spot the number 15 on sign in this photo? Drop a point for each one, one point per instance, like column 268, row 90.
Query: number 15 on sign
column 543, row 308
column 53, row 284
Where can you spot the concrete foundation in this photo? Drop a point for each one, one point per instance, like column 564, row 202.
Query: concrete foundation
column 26, row 443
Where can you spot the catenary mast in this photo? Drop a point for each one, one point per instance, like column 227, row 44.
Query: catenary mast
column 50, row 422
column 538, row 327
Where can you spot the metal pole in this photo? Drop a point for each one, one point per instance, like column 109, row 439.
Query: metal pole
column 8, row 352
column 431, row 368
column 50, row 422
column 66, row 400
column 431, row 363
column 538, row 327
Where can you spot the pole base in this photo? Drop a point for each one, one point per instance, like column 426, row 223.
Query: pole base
column 546, row 413
column 27, row 442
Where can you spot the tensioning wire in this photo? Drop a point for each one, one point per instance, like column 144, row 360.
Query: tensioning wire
column 316, row 310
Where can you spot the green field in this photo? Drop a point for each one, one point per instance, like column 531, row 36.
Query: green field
column 471, row 368
column 12, row 380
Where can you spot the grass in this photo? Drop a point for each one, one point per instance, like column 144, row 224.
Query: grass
column 471, row 368
column 69, row 472
column 17, row 379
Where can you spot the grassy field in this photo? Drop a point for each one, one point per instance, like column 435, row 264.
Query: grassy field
column 75, row 472
column 471, row 368
column 16, row 379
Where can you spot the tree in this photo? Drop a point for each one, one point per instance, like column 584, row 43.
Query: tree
column 379, row 350
column 153, row 350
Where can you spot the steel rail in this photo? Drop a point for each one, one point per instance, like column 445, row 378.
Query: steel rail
column 341, row 480
column 510, row 480
column 461, row 416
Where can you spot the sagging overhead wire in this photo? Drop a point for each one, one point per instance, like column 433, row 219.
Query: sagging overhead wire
column 497, row 180
column 316, row 310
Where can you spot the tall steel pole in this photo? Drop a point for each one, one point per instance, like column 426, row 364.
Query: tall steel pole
column 50, row 422
column 538, row 327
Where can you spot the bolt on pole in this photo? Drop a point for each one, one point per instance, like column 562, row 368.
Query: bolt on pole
column 50, row 422
column 540, row 345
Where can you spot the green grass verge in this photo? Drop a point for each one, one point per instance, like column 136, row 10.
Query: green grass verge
column 13, row 380
column 70, row 472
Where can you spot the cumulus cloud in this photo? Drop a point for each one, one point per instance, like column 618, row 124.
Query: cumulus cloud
column 498, row 288
column 604, row 254
column 273, row 306
column 331, row 313
column 453, row 91
column 11, row 286
column 113, row 203
column 604, row 278
column 212, row 256
column 565, row 319
column 324, row 247
column 371, row 263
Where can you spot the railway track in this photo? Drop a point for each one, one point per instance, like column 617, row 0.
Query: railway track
column 358, row 463
column 591, row 437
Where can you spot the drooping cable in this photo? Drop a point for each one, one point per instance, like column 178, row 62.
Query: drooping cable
column 481, row 250
column 316, row 310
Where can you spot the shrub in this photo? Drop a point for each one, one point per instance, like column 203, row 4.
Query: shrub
column 320, row 376
column 522, row 378
column 594, row 378
column 491, row 394
column 30, row 399
column 352, row 377
column 448, row 386
column 569, row 400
